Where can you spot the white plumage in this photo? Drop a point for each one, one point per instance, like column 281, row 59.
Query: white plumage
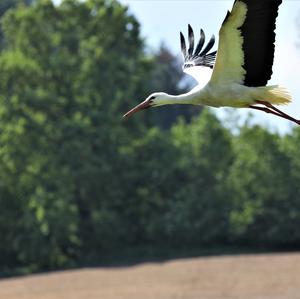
column 200, row 73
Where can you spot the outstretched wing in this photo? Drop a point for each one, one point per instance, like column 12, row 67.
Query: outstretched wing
column 246, row 43
column 198, row 63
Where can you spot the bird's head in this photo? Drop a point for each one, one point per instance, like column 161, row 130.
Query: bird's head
column 155, row 99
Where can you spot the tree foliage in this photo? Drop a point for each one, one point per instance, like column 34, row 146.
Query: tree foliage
column 63, row 88
column 5, row 5
column 261, row 181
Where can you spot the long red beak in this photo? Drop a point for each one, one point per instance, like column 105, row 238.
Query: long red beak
column 144, row 105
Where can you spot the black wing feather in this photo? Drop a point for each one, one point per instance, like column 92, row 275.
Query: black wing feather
column 191, row 41
column 183, row 45
column 196, row 58
column 200, row 43
column 209, row 46
column 258, row 32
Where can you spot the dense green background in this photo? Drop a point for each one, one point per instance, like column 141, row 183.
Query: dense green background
column 78, row 184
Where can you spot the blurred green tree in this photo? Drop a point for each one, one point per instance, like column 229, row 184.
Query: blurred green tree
column 264, row 190
column 152, row 173
column 290, row 212
column 199, row 212
column 5, row 5
column 64, row 86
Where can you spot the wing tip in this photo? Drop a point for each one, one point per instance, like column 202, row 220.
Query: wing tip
column 182, row 45
column 191, row 40
column 197, row 58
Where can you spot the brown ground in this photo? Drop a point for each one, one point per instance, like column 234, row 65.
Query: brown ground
column 274, row 276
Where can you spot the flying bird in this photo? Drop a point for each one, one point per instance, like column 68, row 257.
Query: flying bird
column 239, row 69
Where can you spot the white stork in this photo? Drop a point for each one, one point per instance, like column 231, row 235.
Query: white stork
column 243, row 63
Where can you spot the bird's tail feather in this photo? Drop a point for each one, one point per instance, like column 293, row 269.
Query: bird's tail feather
column 275, row 94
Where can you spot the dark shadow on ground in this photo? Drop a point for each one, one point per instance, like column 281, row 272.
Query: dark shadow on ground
column 135, row 256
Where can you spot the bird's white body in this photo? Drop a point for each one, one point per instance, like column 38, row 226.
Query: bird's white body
column 225, row 95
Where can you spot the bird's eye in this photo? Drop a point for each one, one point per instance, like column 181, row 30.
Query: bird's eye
column 152, row 98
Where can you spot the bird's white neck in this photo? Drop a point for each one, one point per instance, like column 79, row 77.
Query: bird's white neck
column 185, row 98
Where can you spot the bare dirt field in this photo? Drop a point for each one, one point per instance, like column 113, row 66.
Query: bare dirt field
column 271, row 276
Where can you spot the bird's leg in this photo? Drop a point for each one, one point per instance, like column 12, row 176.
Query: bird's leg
column 269, row 105
column 267, row 110
column 271, row 109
